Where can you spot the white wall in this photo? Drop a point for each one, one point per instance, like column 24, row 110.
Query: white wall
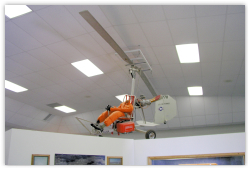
column 7, row 145
column 24, row 143
column 210, row 144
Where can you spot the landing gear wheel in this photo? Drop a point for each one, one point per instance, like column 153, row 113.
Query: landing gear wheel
column 150, row 134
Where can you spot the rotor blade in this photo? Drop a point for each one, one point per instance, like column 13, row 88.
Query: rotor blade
column 103, row 33
column 147, row 83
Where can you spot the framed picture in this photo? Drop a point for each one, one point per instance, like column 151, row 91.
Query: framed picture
column 206, row 159
column 40, row 159
column 114, row 160
column 73, row 159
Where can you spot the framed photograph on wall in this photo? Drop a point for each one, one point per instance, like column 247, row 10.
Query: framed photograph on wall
column 206, row 159
column 73, row 159
column 114, row 160
column 40, row 159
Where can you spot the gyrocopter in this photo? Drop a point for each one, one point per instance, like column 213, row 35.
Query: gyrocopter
column 165, row 105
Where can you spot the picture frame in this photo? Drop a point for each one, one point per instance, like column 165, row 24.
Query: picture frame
column 114, row 160
column 202, row 159
column 40, row 159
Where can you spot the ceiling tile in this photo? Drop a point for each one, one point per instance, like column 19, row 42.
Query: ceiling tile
column 184, row 106
column 15, row 67
column 119, row 77
column 148, row 13
column 197, row 106
column 37, row 28
column 238, row 103
column 107, row 48
column 38, row 79
column 44, row 93
column 160, row 82
column 193, row 81
column 211, row 29
column 114, row 90
column 179, row 11
column 150, row 56
column 72, row 87
column 231, row 67
column 133, row 36
column 177, row 81
column 240, row 80
column 41, row 115
column 235, row 9
column 239, row 91
column 172, row 70
column 191, row 69
column 239, row 117
column 8, row 114
column 87, row 46
column 226, row 118
column 225, row 104
column 86, row 83
column 12, row 105
column 11, row 49
column 27, row 110
column 157, row 72
column 105, row 63
column 29, row 61
column 212, row 119
column 212, row 81
column 9, row 75
column 208, row 55
column 199, row 120
column 235, row 27
column 59, row 90
column 186, row 121
column 37, row 7
column 183, row 31
column 157, row 33
column 36, row 124
column 94, row 10
column 19, row 37
column 66, row 51
column 225, row 90
column 210, row 10
column 224, row 80
column 24, row 83
column 166, row 54
column 124, row 14
column 102, row 80
column 53, row 75
column 211, row 105
column 179, row 91
column 210, row 68
column 50, row 128
column 210, row 90
column 234, row 50
column 47, row 57
column 70, row 72
column 20, row 120
column 58, row 17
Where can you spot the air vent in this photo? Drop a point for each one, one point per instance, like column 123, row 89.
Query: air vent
column 48, row 117
column 53, row 105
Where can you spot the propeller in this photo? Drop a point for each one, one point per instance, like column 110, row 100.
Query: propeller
column 103, row 33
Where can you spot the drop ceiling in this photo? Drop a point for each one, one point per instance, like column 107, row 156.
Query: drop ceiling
column 41, row 45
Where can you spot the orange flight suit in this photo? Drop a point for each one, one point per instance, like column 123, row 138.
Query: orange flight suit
column 115, row 113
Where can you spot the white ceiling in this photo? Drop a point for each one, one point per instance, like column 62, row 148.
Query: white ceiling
column 40, row 47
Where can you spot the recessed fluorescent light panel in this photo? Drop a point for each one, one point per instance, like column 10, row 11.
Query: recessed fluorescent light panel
column 13, row 11
column 195, row 91
column 121, row 97
column 87, row 68
column 188, row 53
column 14, row 87
column 65, row 109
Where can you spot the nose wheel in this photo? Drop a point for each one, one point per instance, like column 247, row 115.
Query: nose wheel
column 150, row 134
